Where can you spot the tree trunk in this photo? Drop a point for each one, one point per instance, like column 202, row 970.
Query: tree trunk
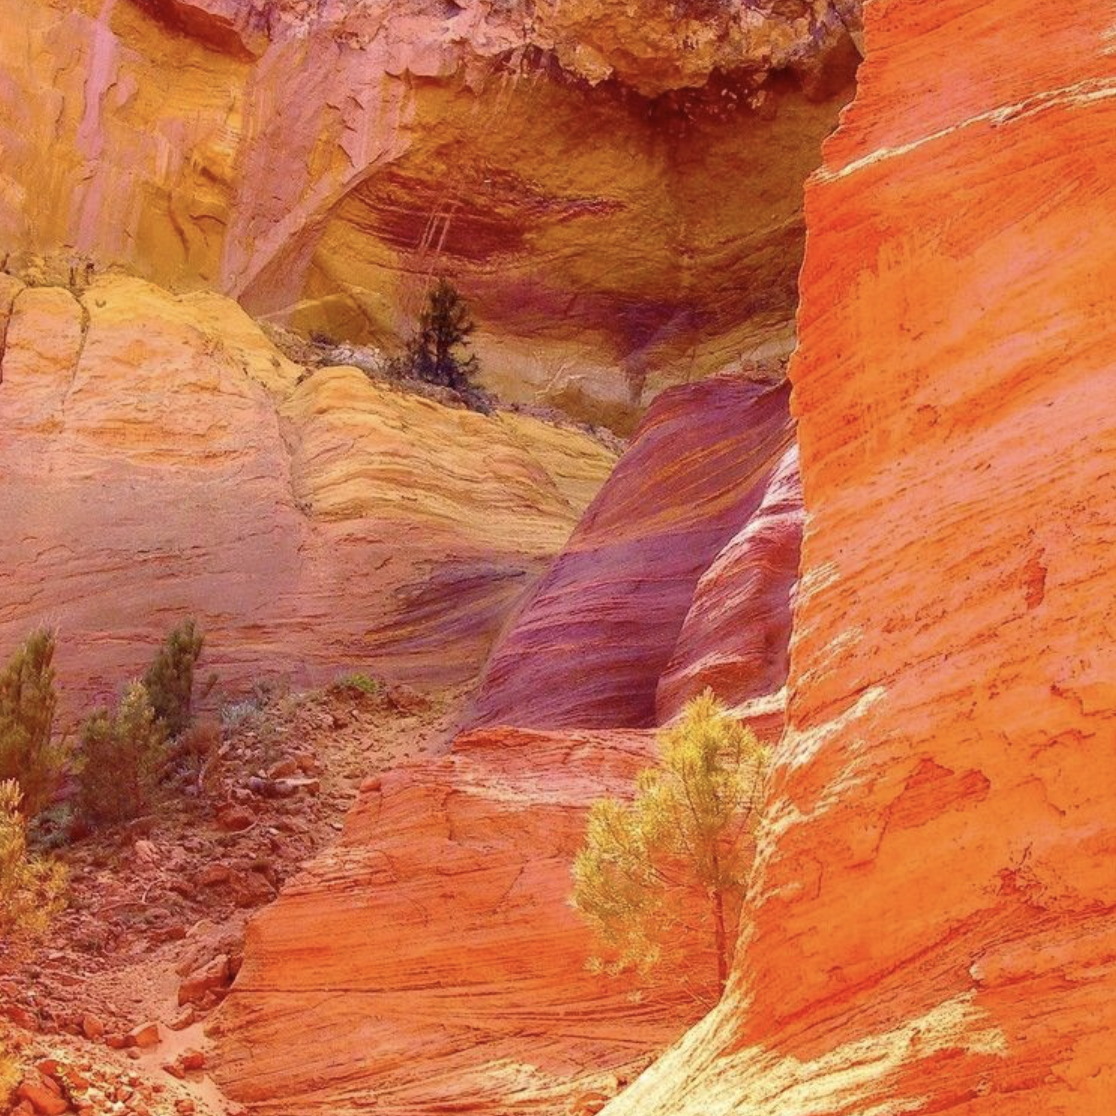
column 720, row 938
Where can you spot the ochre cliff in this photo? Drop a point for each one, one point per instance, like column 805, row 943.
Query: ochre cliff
column 935, row 919
column 615, row 188
column 588, row 648
column 159, row 451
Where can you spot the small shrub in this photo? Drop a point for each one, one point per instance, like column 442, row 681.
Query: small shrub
column 169, row 680
column 120, row 757
column 356, row 683
column 10, row 1075
column 675, row 861
column 436, row 354
column 31, row 887
column 29, row 754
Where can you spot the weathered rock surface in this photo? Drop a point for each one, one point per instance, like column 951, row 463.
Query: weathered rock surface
column 430, row 961
column 736, row 636
column 935, row 926
column 589, row 647
column 159, row 460
column 320, row 161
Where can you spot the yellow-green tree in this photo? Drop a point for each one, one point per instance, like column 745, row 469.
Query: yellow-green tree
column 31, row 887
column 29, row 753
column 671, row 867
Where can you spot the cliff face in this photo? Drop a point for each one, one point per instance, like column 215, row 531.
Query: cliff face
column 159, row 451
column 935, row 929
column 319, row 160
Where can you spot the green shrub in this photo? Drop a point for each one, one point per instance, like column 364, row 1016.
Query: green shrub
column 31, row 887
column 29, row 754
column 675, row 861
column 169, row 680
column 356, row 683
column 120, row 756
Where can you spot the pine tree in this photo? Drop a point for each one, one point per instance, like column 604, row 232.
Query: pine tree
column 29, row 754
column 120, row 757
column 672, row 865
column 445, row 326
column 170, row 678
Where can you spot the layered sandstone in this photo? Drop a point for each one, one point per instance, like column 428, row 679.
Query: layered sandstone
column 935, row 921
column 320, row 161
column 160, row 452
column 589, row 647
column 430, row 962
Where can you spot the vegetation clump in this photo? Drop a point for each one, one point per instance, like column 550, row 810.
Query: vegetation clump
column 356, row 683
column 671, row 867
column 29, row 753
column 169, row 680
column 121, row 753
column 31, row 887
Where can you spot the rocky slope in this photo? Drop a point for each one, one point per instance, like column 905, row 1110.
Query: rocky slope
column 935, row 922
column 159, row 451
column 430, row 962
column 318, row 160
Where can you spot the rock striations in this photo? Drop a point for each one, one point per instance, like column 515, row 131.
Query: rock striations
column 589, row 647
column 936, row 915
column 159, row 451
column 753, row 577
column 320, row 160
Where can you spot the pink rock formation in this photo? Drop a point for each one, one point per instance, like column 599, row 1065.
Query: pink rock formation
column 736, row 636
column 589, row 647
column 935, row 925
column 158, row 460
column 430, row 962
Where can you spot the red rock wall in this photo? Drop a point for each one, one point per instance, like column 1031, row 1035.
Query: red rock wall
column 589, row 647
column 935, row 925
column 430, row 962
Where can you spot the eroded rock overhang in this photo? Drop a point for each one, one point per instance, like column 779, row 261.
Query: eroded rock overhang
column 616, row 188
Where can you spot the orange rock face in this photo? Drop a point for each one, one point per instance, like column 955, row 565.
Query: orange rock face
column 159, row 460
column 590, row 646
column 935, row 927
column 319, row 161
column 430, row 962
